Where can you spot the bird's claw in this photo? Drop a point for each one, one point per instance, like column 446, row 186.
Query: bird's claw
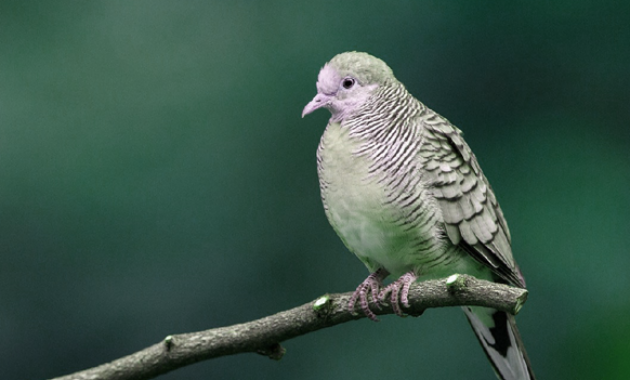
column 371, row 285
column 396, row 288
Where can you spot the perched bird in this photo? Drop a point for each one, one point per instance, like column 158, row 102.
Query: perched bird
column 406, row 195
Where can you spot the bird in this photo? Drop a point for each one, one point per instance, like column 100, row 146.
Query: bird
column 406, row 195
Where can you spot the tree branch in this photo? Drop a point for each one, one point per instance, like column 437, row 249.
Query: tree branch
column 264, row 335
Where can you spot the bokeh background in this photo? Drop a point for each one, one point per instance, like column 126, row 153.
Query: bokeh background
column 156, row 178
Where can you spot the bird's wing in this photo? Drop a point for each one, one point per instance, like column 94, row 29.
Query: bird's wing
column 472, row 216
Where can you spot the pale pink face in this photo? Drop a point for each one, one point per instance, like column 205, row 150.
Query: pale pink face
column 327, row 80
column 340, row 95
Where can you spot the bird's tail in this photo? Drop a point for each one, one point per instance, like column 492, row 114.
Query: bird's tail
column 500, row 339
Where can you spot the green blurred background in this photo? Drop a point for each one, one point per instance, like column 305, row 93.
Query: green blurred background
column 156, row 178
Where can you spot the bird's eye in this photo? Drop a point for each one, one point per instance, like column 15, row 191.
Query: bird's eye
column 347, row 83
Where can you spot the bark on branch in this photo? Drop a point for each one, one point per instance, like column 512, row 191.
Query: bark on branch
column 264, row 335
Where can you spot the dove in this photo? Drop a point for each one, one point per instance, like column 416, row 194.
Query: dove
column 406, row 195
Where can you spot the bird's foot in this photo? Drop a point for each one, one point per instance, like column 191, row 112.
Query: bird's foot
column 396, row 288
column 372, row 284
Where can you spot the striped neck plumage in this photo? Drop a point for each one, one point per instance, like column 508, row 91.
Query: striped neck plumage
column 389, row 107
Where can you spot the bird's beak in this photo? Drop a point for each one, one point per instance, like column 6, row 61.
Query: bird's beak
column 319, row 101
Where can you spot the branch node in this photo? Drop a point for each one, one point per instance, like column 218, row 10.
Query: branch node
column 169, row 342
column 520, row 301
column 274, row 351
column 455, row 283
column 415, row 314
column 322, row 306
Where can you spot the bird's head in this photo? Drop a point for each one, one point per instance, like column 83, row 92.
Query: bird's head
column 346, row 82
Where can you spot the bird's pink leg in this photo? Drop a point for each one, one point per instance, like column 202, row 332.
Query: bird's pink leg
column 372, row 284
column 400, row 286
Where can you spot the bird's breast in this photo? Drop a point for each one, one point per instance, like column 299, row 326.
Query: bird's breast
column 384, row 226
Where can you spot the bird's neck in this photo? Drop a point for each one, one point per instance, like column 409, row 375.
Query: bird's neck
column 389, row 108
